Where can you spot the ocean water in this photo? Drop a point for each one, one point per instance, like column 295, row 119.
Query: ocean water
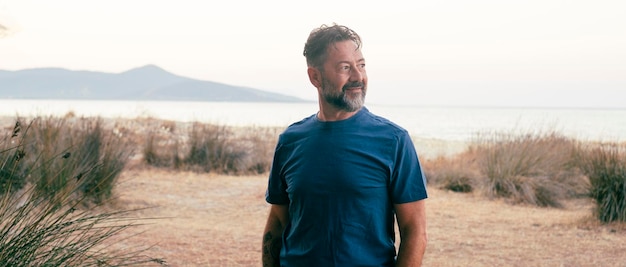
column 445, row 123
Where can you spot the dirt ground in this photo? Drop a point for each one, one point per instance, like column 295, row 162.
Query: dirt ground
column 210, row 220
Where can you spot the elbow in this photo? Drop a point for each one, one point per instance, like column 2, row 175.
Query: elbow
column 421, row 238
column 417, row 236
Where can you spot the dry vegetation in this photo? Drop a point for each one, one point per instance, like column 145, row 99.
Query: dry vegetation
column 510, row 201
column 54, row 174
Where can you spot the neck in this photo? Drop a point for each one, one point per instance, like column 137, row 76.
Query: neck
column 330, row 113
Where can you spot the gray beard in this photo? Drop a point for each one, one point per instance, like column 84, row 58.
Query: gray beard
column 342, row 100
column 346, row 103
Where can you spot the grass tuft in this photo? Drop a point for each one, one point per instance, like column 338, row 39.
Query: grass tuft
column 528, row 168
column 41, row 227
column 71, row 150
column 212, row 148
column 456, row 174
column 536, row 168
column 606, row 167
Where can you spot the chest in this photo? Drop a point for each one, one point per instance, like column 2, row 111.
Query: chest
column 338, row 164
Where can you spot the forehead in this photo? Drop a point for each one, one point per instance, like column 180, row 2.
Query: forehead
column 345, row 50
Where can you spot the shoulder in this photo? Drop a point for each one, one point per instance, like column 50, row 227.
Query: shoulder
column 297, row 129
column 381, row 124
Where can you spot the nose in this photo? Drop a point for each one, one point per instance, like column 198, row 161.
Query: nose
column 356, row 74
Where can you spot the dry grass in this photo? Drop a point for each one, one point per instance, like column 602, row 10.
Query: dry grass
column 536, row 168
column 217, row 221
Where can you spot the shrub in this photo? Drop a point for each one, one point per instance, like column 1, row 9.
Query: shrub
column 151, row 155
column 73, row 150
column 606, row 168
column 209, row 148
column 534, row 168
column 99, row 180
column 212, row 148
column 457, row 174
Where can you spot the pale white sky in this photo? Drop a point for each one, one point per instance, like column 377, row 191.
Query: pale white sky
column 456, row 52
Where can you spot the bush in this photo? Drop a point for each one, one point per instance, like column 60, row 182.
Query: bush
column 606, row 168
column 458, row 174
column 212, row 148
column 527, row 168
column 73, row 150
column 209, row 149
column 532, row 168
column 537, row 168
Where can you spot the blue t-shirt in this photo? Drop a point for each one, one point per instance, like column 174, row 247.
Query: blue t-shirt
column 340, row 180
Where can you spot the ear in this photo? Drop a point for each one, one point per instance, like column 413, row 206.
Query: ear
column 315, row 77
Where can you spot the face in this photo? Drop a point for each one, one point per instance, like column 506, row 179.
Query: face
column 343, row 78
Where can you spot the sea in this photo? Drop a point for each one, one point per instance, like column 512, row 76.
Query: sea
column 440, row 123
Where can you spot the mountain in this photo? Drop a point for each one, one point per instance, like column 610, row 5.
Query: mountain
column 145, row 83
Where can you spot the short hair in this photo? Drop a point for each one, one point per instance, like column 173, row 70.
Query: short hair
column 316, row 47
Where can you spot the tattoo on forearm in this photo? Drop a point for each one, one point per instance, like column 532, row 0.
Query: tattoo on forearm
column 271, row 250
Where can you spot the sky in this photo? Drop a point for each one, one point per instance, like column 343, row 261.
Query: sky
column 532, row 53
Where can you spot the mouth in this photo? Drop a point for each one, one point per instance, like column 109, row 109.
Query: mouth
column 353, row 87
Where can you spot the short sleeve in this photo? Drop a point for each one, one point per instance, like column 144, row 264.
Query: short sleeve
column 276, row 192
column 407, row 182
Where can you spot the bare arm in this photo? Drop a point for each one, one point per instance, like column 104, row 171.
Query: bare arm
column 412, row 226
column 272, row 235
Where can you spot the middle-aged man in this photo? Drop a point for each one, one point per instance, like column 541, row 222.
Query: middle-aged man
column 343, row 177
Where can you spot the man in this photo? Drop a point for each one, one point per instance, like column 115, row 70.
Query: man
column 339, row 176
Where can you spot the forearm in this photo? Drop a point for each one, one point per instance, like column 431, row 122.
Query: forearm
column 413, row 238
column 272, row 236
column 271, row 248
column 411, row 251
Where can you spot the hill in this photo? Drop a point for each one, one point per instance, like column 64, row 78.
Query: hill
column 149, row 82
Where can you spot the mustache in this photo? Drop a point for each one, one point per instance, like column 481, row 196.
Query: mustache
column 353, row 84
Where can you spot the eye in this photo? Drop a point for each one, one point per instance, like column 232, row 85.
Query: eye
column 344, row 68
